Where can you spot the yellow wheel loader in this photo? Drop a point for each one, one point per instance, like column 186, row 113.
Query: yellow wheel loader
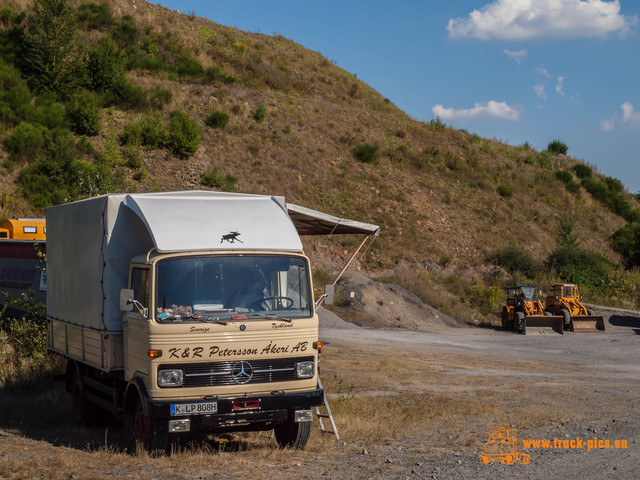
column 523, row 310
column 565, row 300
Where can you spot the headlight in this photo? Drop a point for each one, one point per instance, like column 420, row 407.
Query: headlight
column 304, row 369
column 170, row 378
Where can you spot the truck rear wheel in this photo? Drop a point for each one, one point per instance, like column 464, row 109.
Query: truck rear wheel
column 293, row 434
column 150, row 433
column 85, row 413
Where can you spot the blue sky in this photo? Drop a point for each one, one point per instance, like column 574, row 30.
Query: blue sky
column 514, row 70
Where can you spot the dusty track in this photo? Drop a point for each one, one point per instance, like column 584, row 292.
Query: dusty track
column 547, row 386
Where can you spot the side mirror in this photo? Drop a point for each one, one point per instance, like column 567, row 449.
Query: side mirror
column 126, row 300
column 329, row 291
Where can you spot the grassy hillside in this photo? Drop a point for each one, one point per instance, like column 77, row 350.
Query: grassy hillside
column 289, row 122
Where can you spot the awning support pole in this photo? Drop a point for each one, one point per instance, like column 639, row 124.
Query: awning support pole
column 351, row 259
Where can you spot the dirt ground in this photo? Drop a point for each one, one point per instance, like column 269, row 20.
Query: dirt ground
column 408, row 404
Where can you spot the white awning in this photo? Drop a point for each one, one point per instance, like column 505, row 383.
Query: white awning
column 211, row 220
column 313, row 222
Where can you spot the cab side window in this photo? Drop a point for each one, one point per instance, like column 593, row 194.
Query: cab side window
column 140, row 285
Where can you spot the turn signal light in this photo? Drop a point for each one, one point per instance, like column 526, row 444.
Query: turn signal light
column 154, row 353
column 318, row 346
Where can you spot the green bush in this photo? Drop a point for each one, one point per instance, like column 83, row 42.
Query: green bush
column 47, row 112
column 95, row 15
column 217, row 119
column 582, row 171
column 212, row 74
column 26, row 141
column 148, row 131
column 504, row 191
column 153, row 131
column 104, row 65
column 189, row 68
column 557, row 147
column 127, row 95
column 57, row 177
column 366, row 153
column 17, row 99
column 126, row 32
column 83, row 111
column 563, row 176
column 216, row 179
column 580, row 266
column 260, row 114
column 626, row 241
column 160, row 97
column 184, row 134
column 610, row 192
column 514, row 259
column 150, row 64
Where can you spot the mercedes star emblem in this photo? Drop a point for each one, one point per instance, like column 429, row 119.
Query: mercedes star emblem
column 242, row 372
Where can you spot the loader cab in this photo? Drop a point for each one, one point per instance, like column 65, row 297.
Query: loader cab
column 565, row 290
column 516, row 296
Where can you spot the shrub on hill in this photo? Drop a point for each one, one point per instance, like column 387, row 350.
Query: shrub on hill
column 558, row 147
column 580, row 266
column 83, row 111
column 582, row 171
column 184, row 134
column 626, row 241
column 95, row 15
column 514, row 259
column 217, row 119
column 366, row 153
column 216, row 179
column 505, row 191
column 26, row 141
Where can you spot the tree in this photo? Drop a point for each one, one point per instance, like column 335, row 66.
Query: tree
column 566, row 237
column 49, row 60
column 556, row 146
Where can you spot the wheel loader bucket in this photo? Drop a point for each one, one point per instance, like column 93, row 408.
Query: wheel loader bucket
column 543, row 325
column 587, row 323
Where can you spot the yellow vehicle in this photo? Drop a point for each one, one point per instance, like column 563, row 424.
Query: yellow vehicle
column 565, row 300
column 524, row 310
column 23, row 229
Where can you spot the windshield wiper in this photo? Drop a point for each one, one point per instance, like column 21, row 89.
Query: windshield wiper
column 269, row 316
column 208, row 319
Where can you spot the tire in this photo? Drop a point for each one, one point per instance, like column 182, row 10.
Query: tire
column 566, row 319
column 520, row 322
column 293, row 434
column 151, row 434
column 85, row 413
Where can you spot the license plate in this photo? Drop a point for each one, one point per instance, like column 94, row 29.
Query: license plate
column 206, row 408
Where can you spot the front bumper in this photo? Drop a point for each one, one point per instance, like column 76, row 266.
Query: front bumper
column 253, row 413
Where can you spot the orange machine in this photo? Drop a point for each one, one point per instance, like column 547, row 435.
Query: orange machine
column 23, row 229
column 565, row 300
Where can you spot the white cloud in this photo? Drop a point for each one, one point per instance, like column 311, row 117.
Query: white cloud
column 541, row 19
column 539, row 89
column 544, row 72
column 490, row 109
column 629, row 118
column 518, row 56
column 607, row 124
column 560, row 87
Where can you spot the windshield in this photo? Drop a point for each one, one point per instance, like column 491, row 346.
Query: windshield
column 220, row 287
column 529, row 292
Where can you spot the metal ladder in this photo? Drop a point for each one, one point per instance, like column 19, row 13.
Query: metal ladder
column 322, row 415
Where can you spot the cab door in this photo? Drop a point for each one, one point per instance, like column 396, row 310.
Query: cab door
column 136, row 326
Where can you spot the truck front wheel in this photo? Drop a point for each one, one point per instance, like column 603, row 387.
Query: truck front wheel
column 148, row 432
column 293, row 434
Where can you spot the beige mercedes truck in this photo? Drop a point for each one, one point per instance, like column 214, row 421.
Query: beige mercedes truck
column 187, row 313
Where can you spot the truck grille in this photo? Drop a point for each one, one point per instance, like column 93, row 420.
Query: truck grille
column 213, row 374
